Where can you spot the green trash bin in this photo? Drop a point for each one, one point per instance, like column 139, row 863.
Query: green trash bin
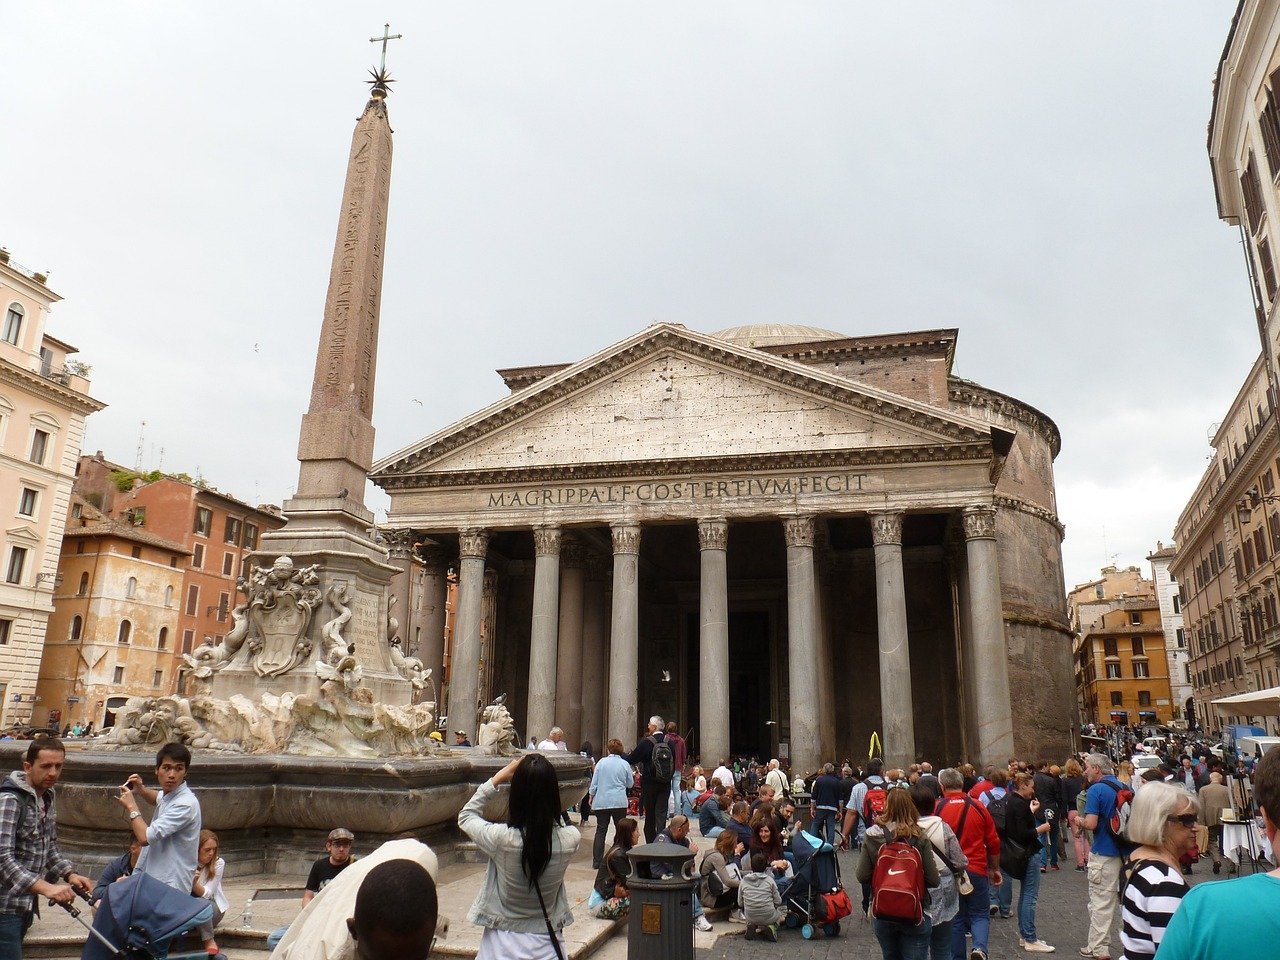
column 660, row 926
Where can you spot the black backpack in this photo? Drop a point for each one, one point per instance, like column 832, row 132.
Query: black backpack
column 999, row 810
column 662, row 761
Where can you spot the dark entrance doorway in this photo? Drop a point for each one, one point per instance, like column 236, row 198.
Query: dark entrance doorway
column 750, row 672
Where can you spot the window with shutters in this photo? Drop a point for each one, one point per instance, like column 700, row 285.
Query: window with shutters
column 1251, row 194
column 1141, row 670
column 188, row 639
column 1260, row 545
column 13, row 323
column 83, row 588
column 1109, row 647
column 27, row 502
column 193, row 599
column 39, row 446
column 1144, row 698
column 228, row 563
column 1113, row 671
column 1117, row 698
column 204, row 521
column 77, row 625
column 1269, row 124
column 197, row 556
column 1268, row 267
column 17, row 565
column 1138, row 649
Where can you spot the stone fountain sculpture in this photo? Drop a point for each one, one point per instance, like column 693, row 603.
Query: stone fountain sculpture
column 270, row 637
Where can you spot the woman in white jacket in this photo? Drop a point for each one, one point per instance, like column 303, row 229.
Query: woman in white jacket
column 944, row 899
column 207, row 883
column 522, row 904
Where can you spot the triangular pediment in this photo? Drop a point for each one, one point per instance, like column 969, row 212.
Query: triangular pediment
column 668, row 394
column 23, row 534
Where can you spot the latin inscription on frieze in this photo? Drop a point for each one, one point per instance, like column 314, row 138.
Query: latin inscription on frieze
column 678, row 490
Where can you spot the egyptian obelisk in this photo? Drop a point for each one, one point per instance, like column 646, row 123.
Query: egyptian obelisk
column 328, row 523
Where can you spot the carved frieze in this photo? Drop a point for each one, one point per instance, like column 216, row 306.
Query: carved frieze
column 473, row 544
column 626, row 537
column 798, row 531
column 979, row 523
column 886, row 528
column 713, row 534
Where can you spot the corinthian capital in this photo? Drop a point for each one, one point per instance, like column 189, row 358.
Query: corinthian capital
column 433, row 556
column 979, row 523
column 798, row 531
column 886, row 528
column 713, row 534
column 473, row 544
column 546, row 541
column 399, row 543
column 626, row 537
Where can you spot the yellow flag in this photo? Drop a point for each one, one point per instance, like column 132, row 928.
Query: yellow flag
column 874, row 745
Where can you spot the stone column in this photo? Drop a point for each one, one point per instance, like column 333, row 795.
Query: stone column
column 464, row 665
column 488, row 635
column 713, row 642
column 568, row 711
column 624, row 659
column 542, row 642
column 824, row 557
column 595, row 654
column 802, row 644
column 989, row 697
column 897, row 715
column 435, row 587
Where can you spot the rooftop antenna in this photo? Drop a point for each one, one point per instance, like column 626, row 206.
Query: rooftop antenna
column 160, row 465
column 142, row 433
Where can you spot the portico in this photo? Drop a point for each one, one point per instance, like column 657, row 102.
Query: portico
column 778, row 557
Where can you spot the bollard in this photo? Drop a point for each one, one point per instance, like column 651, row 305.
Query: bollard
column 660, row 926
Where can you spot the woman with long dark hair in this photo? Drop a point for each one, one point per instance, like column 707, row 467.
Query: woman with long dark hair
column 522, row 904
column 764, row 840
column 611, row 895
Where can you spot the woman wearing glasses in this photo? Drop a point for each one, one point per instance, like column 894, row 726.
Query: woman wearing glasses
column 1163, row 823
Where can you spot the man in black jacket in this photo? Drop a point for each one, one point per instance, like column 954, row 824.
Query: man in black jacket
column 654, row 790
column 825, row 804
column 1048, row 790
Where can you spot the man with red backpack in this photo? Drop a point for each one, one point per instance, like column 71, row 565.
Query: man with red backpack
column 976, row 831
column 1106, row 809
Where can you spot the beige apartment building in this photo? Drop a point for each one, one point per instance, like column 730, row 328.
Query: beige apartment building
column 44, row 401
column 1226, row 561
column 114, row 630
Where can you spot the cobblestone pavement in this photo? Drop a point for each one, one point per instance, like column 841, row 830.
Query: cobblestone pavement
column 1062, row 919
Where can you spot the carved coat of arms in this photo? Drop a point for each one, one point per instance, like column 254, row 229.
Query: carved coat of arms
column 281, row 601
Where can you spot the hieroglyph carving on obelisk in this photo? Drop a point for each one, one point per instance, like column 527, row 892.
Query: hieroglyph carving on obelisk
column 336, row 444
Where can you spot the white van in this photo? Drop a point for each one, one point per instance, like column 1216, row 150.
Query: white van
column 1154, row 744
column 1252, row 748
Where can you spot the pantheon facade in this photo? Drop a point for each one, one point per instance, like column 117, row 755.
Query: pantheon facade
column 784, row 538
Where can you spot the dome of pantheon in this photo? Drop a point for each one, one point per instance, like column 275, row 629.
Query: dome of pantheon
column 775, row 334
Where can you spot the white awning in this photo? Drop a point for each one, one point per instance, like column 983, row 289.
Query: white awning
column 1259, row 703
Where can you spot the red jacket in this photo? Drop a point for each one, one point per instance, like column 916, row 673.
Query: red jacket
column 979, row 841
column 981, row 787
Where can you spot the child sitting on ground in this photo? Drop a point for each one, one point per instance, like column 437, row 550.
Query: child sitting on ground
column 760, row 901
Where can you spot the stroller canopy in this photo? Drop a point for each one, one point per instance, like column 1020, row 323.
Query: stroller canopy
column 139, row 911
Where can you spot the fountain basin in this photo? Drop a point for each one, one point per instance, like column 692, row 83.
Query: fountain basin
column 273, row 812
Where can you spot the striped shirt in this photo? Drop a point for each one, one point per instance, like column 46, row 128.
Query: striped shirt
column 1151, row 898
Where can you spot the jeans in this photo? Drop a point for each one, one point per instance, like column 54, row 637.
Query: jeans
column 697, row 898
column 275, row 936
column 1053, row 840
column 653, row 804
column 713, row 833
column 940, row 941
column 1002, row 897
column 900, row 940
column 1028, row 893
column 13, row 927
column 603, row 819
column 972, row 918
column 673, row 801
column 824, row 825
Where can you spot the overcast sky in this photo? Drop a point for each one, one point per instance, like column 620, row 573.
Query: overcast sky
column 567, row 173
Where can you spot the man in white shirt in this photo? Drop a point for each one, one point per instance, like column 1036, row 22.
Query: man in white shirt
column 554, row 741
column 777, row 779
column 723, row 775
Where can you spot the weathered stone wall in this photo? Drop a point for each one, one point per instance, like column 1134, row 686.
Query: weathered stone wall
column 918, row 377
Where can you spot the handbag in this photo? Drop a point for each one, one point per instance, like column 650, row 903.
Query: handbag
column 964, row 886
column 555, row 941
column 1014, row 858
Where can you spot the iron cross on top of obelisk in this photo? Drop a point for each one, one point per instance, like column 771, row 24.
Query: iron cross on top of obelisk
column 386, row 36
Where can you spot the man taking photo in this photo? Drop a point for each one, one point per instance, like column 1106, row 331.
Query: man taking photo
column 30, row 863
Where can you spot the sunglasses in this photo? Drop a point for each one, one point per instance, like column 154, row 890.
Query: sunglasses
column 1188, row 820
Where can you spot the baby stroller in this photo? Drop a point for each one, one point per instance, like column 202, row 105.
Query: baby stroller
column 135, row 916
column 815, row 898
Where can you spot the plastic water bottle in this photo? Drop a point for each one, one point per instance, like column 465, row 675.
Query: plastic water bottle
column 247, row 919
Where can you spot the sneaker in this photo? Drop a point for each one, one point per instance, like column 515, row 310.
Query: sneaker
column 977, row 954
column 702, row 924
column 751, row 931
column 771, row 933
column 1080, row 867
column 1042, row 869
column 1037, row 946
column 992, row 910
column 1052, row 866
column 737, row 916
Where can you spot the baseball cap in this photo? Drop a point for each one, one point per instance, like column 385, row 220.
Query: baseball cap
column 460, row 733
column 435, row 735
column 341, row 833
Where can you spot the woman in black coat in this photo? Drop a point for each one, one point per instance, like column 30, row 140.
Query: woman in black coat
column 1023, row 828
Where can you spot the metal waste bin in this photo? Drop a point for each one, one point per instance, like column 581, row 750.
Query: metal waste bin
column 661, row 918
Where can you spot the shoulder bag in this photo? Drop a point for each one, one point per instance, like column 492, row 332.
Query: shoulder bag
column 555, row 941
